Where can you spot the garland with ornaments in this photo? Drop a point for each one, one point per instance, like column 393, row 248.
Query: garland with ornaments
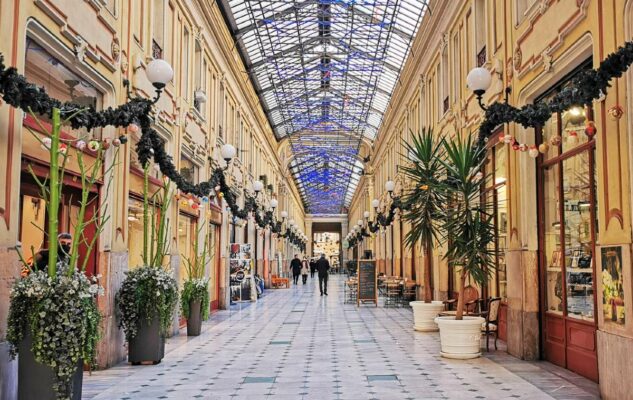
column 134, row 115
column 382, row 221
column 587, row 86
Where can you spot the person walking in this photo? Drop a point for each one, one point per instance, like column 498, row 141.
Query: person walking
column 312, row 267
column 304, row 270
column 295, row 268
column 323, row 265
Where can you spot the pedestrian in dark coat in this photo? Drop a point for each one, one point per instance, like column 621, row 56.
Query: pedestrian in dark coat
column 295, row 268
column 323, row 266
column 312, row 267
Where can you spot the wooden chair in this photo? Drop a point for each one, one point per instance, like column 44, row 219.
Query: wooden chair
column 491, row 326
column 408, row 292
column 472, row 300
column 277, row 282
column 392, row 293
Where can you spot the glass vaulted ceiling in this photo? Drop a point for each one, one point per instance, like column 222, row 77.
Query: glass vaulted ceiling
column 324, row 71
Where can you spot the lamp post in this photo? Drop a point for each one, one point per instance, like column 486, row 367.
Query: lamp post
column 390, row 186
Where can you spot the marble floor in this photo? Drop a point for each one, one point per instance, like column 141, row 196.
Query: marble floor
column 295, row 344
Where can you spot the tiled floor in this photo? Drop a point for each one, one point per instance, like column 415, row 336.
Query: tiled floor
column 294, row 344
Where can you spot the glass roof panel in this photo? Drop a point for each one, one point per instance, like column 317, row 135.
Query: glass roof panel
column 325, row 71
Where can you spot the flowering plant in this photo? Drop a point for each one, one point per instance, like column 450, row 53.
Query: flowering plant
column 196, row 289
column 60, row 316
column 145, row 293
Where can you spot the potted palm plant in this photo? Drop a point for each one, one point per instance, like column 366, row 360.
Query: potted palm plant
column 194, row 299
column 53, row 320
column 149, row 293
column 469, row 232
column 423, row 206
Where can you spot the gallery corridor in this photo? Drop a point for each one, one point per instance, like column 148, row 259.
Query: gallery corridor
column 297, row 345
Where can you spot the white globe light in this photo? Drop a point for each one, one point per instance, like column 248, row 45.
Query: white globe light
column 273, row 203
column 284, row 214
column 258, row 186
column 360, row 222
column 479, row 80
column 375, row 203
column 366, row 214
column 291, row 222
column 228, row 152
column 159, row 72
column 390, row 186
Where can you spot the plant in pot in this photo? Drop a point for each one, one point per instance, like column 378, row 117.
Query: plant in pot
column 53, row 322
column 423, row 206
column 469, row 233
column 194, row 299
column 149, row 293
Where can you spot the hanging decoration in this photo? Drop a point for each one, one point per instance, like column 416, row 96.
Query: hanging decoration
column 134, row 116
column 586, row 87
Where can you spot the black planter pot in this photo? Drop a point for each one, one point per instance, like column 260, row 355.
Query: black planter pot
column 149, row 343
column 194, row 322
column 35, row 380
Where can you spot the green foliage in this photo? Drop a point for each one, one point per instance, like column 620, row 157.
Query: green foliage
column 196, row 289
column 61, row 317
column 145, row 293
column 423, row 204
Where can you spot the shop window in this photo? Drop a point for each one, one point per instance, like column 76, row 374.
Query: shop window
column 186, row 241
column 495, row 197
column 569, row 208
column 44, row 70
column 199, row 78
column 212, row 252
column 135, row 232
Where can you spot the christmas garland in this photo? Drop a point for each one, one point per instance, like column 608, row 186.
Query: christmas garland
column 16, row 91
column 586, row 87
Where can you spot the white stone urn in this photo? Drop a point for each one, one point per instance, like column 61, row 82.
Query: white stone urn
column 460, row 339
column 424, row 315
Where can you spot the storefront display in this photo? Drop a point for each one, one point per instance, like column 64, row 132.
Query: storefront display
column 612, row 285
column 240, row 266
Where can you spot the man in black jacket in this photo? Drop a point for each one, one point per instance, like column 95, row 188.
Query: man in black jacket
column 295, row 267
column 323, row 266
column 312, row 267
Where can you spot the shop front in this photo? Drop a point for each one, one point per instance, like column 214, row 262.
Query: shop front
column 567, row 237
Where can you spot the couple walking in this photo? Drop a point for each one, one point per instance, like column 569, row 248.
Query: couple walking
column 301, row 267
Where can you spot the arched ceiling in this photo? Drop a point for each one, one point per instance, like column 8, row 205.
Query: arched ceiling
column 324, row 71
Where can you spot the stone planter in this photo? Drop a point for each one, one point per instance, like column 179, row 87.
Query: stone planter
column 424, row 315
column 35, row 380
column 194, row 322
column 460, row 339
column 149, row 343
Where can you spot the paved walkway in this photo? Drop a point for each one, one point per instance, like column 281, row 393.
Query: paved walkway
column 294, row 344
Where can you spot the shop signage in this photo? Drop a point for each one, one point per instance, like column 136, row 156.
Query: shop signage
column 367, row 282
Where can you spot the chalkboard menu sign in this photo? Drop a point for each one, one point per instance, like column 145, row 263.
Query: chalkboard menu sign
column 367, row 281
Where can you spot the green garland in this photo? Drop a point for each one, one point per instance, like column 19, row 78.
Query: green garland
column 60, row 315
column 146, row 292
column 586, row 87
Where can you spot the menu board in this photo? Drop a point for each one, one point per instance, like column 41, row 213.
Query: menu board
column 367, row 281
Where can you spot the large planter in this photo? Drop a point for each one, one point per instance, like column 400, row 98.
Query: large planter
column 35, row 380
column 194, row 322
column 424, row 315
column 149, row 343
column 460, row 339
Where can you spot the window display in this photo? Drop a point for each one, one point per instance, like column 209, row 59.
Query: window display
column 612, row 285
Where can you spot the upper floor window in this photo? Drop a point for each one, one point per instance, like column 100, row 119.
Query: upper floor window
column 445, row 84
column 185, row 63
column 44, row 70
column 480, row 32
column 188, row 170
column 158, row 29
column 200, row 83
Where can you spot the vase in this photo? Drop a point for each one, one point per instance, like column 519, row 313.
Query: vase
column 149, row 343
column 460, row 339
column 194, row 322
column 424, row 315
column 35, row 380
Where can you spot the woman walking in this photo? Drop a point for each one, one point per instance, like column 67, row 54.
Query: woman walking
column 304, row 270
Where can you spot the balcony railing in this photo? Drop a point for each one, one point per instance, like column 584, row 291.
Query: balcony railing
column 481, row 57
column 157, row 51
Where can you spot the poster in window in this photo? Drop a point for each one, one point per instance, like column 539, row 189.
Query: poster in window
column 612, row 285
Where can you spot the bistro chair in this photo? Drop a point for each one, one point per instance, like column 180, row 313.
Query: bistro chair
column 408, row 292
column 392, row 293
column 491, row 326
column 472, row 301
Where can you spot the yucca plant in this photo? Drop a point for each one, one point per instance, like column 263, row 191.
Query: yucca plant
column 424, row 203
column 468, row 223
